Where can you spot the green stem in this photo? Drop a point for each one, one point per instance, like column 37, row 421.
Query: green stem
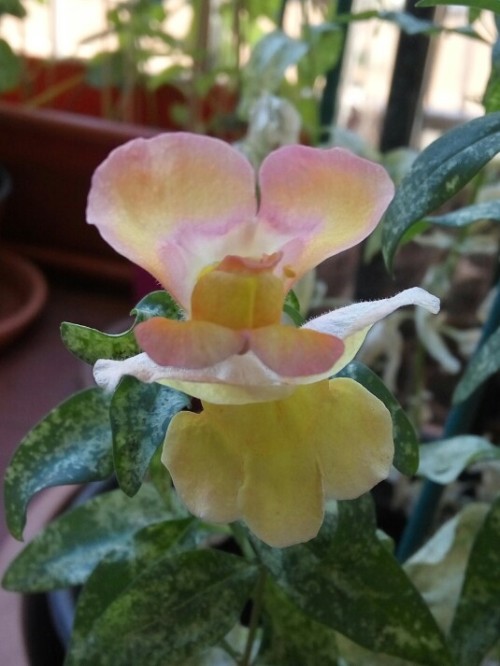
column 55, row 90
column 328, row 103
column 257, row 599
column 281, row 14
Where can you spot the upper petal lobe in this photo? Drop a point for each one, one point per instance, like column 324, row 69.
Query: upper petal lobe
column 329, row 199
column 167, row 192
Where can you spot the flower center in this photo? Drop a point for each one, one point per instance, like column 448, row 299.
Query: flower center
column 240, row 293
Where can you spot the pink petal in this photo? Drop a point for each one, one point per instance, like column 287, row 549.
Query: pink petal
column 187, row 344
column 165, row 203
column 293, row 352
column 329, row 200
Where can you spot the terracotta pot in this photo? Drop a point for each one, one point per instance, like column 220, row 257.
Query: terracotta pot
column 23, row 292
column 51, row 156
column 62, row 85
column 13, row 646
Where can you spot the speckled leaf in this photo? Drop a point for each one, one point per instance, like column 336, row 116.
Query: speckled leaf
column 438, row 568
column 348, row 580
column 140, row 414
column 89, row 344
column 176, row 607
column 439, row 172
column 70, row 547
column 488, row 210
column 295, row 639
column 158, row 475
column 120, row 567
column 405, row 437
column 72, row 444
column 444, row 461
column 482, row 366
column 157, row 304
column 476, row 625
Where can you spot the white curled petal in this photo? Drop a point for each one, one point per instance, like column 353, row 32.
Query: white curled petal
column 237, row 380
column 358, row 316
column 107, row 373
column 352, row 323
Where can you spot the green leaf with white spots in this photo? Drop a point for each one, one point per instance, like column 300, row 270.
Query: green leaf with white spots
column 484, row 364
column 295, row 639
column 438, row 173
column 120, row 567
column 156, row 304
column 140, row 414
column 72, row 444
column 348, row 580
column 89, row 344
column 438, row 568
column 443, row 461
column 405, row 437
column 488, row 210
column 176, row 607
column 476, row 625
column 72, row 545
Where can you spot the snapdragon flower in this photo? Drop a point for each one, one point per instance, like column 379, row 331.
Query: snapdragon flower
column 276, row 436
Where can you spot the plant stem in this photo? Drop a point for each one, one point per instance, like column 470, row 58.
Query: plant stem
column 281, row 14
column 328, row 103
column 55, row 90
column 254, row 617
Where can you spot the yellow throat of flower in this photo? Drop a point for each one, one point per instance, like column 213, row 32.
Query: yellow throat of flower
column 239, row 293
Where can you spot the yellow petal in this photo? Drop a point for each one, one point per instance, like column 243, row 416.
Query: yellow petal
column 207, row 470
column 273, row 463
column 282, row 498
column 359, row 450
column 238, row 300
column 280, row 494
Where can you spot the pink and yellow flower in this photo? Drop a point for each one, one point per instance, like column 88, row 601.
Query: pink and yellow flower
column 276, row 436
